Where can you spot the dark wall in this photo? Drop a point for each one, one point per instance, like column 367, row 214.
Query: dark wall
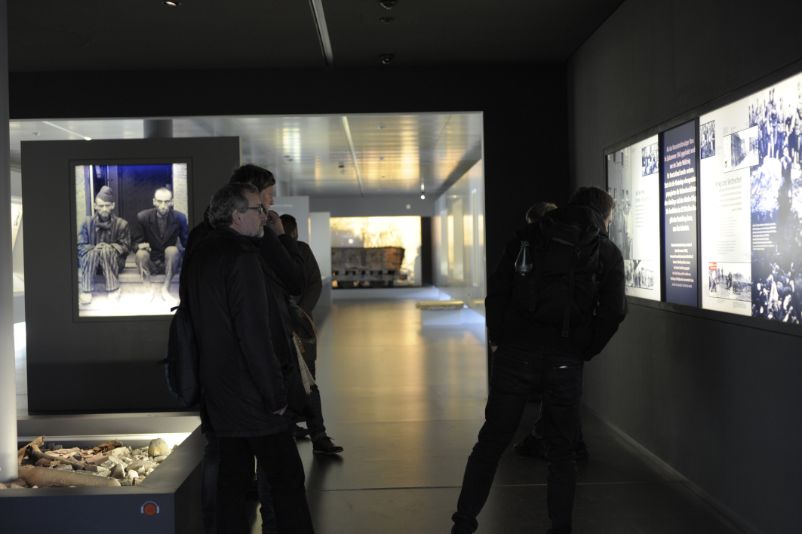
column 718, row 400
column 525, row 149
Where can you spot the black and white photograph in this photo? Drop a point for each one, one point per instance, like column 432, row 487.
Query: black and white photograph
column 649, row 155
column 620, row 228
column 741, row 149
column 131, row 231
column 707, row 139
column 731, row 281
column 636, row 275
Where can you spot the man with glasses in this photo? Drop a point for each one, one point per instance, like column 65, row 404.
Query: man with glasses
column 244, row 398
column 160, row 237
column 103, row 244
column 284, row 275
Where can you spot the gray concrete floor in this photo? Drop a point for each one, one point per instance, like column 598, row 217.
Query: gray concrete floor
column 404, row 393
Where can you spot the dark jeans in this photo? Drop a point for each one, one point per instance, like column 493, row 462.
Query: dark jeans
column 516, row 374
column 228, row 476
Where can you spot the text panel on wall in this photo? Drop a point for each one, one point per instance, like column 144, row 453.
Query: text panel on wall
column 752, row 200
column 633, row 182
column 679, row 178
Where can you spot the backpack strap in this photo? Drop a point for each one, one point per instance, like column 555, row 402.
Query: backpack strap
column 571, row 288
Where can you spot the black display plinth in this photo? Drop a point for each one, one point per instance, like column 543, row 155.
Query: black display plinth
column 168, row 502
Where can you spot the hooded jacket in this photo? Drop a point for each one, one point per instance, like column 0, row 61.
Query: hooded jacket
column 508, row 325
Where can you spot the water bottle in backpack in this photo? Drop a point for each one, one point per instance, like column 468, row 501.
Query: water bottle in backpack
column 523, row 262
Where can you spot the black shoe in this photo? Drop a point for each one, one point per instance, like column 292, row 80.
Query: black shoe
column 301, row 432
column 531, row 446
column 324, row 445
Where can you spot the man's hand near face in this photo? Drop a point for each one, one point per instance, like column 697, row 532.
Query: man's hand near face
column 274, row 223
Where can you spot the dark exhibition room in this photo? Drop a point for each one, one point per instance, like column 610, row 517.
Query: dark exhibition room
column 393, row 266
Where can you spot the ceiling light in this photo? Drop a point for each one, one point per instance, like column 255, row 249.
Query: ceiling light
column 172, row 3
column 422, row 196
column 386, row 59
column 388, row 4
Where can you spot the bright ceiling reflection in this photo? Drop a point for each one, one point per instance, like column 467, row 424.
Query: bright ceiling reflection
column 311, row 154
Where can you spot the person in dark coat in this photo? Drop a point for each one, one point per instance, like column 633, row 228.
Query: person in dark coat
column 244, row 399
column 301, row 306
column 313, row 283
column 156, row 236
column 545, row 356
column 103, row 244
column 284, row 275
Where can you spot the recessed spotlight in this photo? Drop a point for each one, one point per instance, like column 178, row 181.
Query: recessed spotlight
column 172, row 3
column 423, row 197
column 388, row 4
column 386, row 59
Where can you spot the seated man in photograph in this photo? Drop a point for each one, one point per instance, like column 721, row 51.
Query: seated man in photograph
column 103, row 243
column 156, row 235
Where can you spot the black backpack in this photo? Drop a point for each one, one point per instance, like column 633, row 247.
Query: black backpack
column 181, row 366
column 561, row 288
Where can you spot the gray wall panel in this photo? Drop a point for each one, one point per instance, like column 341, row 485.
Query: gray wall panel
column 96, row 365
column 716, row 399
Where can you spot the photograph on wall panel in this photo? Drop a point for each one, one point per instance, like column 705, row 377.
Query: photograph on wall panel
column 679, row 184
column 131, row 230
column 633, row 182
column 751, row 194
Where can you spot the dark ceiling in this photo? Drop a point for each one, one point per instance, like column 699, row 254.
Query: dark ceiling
column 91, row 35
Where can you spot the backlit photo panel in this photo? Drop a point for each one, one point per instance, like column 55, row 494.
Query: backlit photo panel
column 752, row 188
column 131, row 230
column 634, row 183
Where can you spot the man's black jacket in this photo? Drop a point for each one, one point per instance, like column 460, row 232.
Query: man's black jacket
column 313, row 285
column 146, row 230
column 280, row 253
column 242, row 380
column 507, row 324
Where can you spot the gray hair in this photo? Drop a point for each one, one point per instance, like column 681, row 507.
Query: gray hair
column 226, row 201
